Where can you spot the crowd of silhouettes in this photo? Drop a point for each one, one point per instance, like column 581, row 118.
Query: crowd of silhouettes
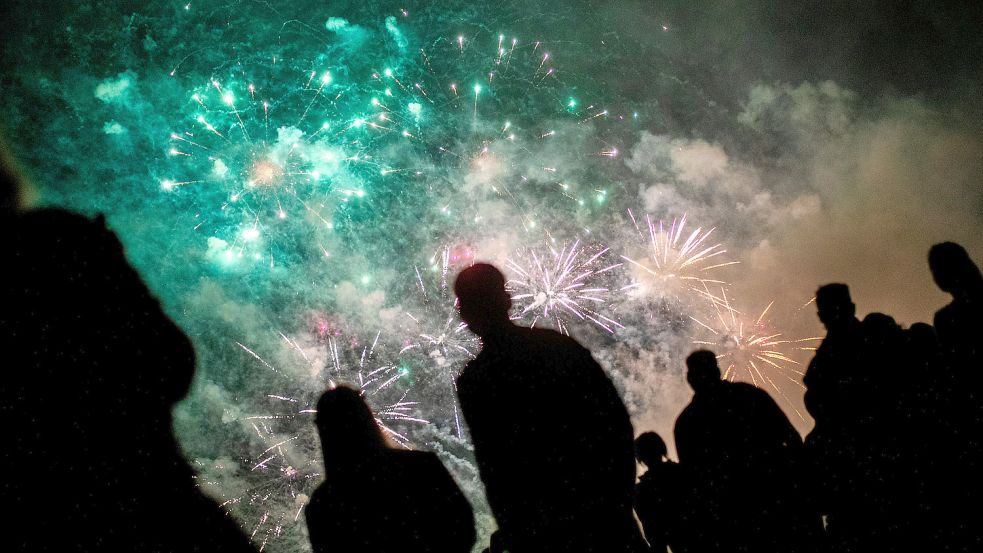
column 94, row 367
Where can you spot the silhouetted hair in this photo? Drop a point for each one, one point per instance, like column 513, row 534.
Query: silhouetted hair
column 702, row 368
column 650, row 448
column 478, row 282
column 881, row 322
column 923, row 334
column 347, row 426
column 952, row 267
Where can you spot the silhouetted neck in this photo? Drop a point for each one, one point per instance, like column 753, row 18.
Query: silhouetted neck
column 843, row 327
column 499, row 334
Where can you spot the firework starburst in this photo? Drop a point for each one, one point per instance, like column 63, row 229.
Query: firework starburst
column 677, row 259
column 560, row 286
column 749, row 349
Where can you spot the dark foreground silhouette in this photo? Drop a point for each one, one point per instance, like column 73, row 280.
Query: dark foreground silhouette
column 893, row 455
column 91, row 370
column 662, row 498
column 552, row 439
column 743, row 459
column 380, row 500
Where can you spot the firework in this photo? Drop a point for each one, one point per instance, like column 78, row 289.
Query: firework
column 677, row 259
column 559, row 286
column 252, row 160
column 436, row 338
column 273, row 152
column 749, row 349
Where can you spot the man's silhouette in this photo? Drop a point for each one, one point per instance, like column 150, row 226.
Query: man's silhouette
column 742, row 454
column 91, row 370
column 660, row 497
column 841, row 448
column 380, row 500
column 832, row 372
column 552, row 439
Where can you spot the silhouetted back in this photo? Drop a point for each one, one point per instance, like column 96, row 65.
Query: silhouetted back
column 380, row 500
column 742, row 455
column 552, row 439
column 92, row 369
column 553, row 443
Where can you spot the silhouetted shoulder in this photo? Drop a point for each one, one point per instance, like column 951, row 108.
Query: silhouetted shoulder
column 750, row 392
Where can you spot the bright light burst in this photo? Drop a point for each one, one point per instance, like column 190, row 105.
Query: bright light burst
column 436, row 338
column 252, row 156
column 749, row 349
column 273, row 149
column 560, row 286
column 677, row 260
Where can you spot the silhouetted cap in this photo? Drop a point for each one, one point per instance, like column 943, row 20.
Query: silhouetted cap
column 650, row 448
column 833, row 294
column 478, row 282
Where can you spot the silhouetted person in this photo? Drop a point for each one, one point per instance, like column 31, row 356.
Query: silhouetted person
column 660, row 497
column 890, row 469
column 834, row 382
column 742, row 455
column 375, row 499
column 959, row 326
column 91, row 370
column 552, row 439
column 828, row 380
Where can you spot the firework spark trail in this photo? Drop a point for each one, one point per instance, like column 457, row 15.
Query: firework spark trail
column 676, row 257
column 289, row 458
column 548, row 290
column 749, row 349
column 301, row 167
column 436, row 336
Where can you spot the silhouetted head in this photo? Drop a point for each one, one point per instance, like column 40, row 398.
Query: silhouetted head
column 954, row 272
column 922, row 341
column 702, row 371
column 882, row 329
column 482, row 299
column 347, row 427
column 834, row 305
column 650, row 449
